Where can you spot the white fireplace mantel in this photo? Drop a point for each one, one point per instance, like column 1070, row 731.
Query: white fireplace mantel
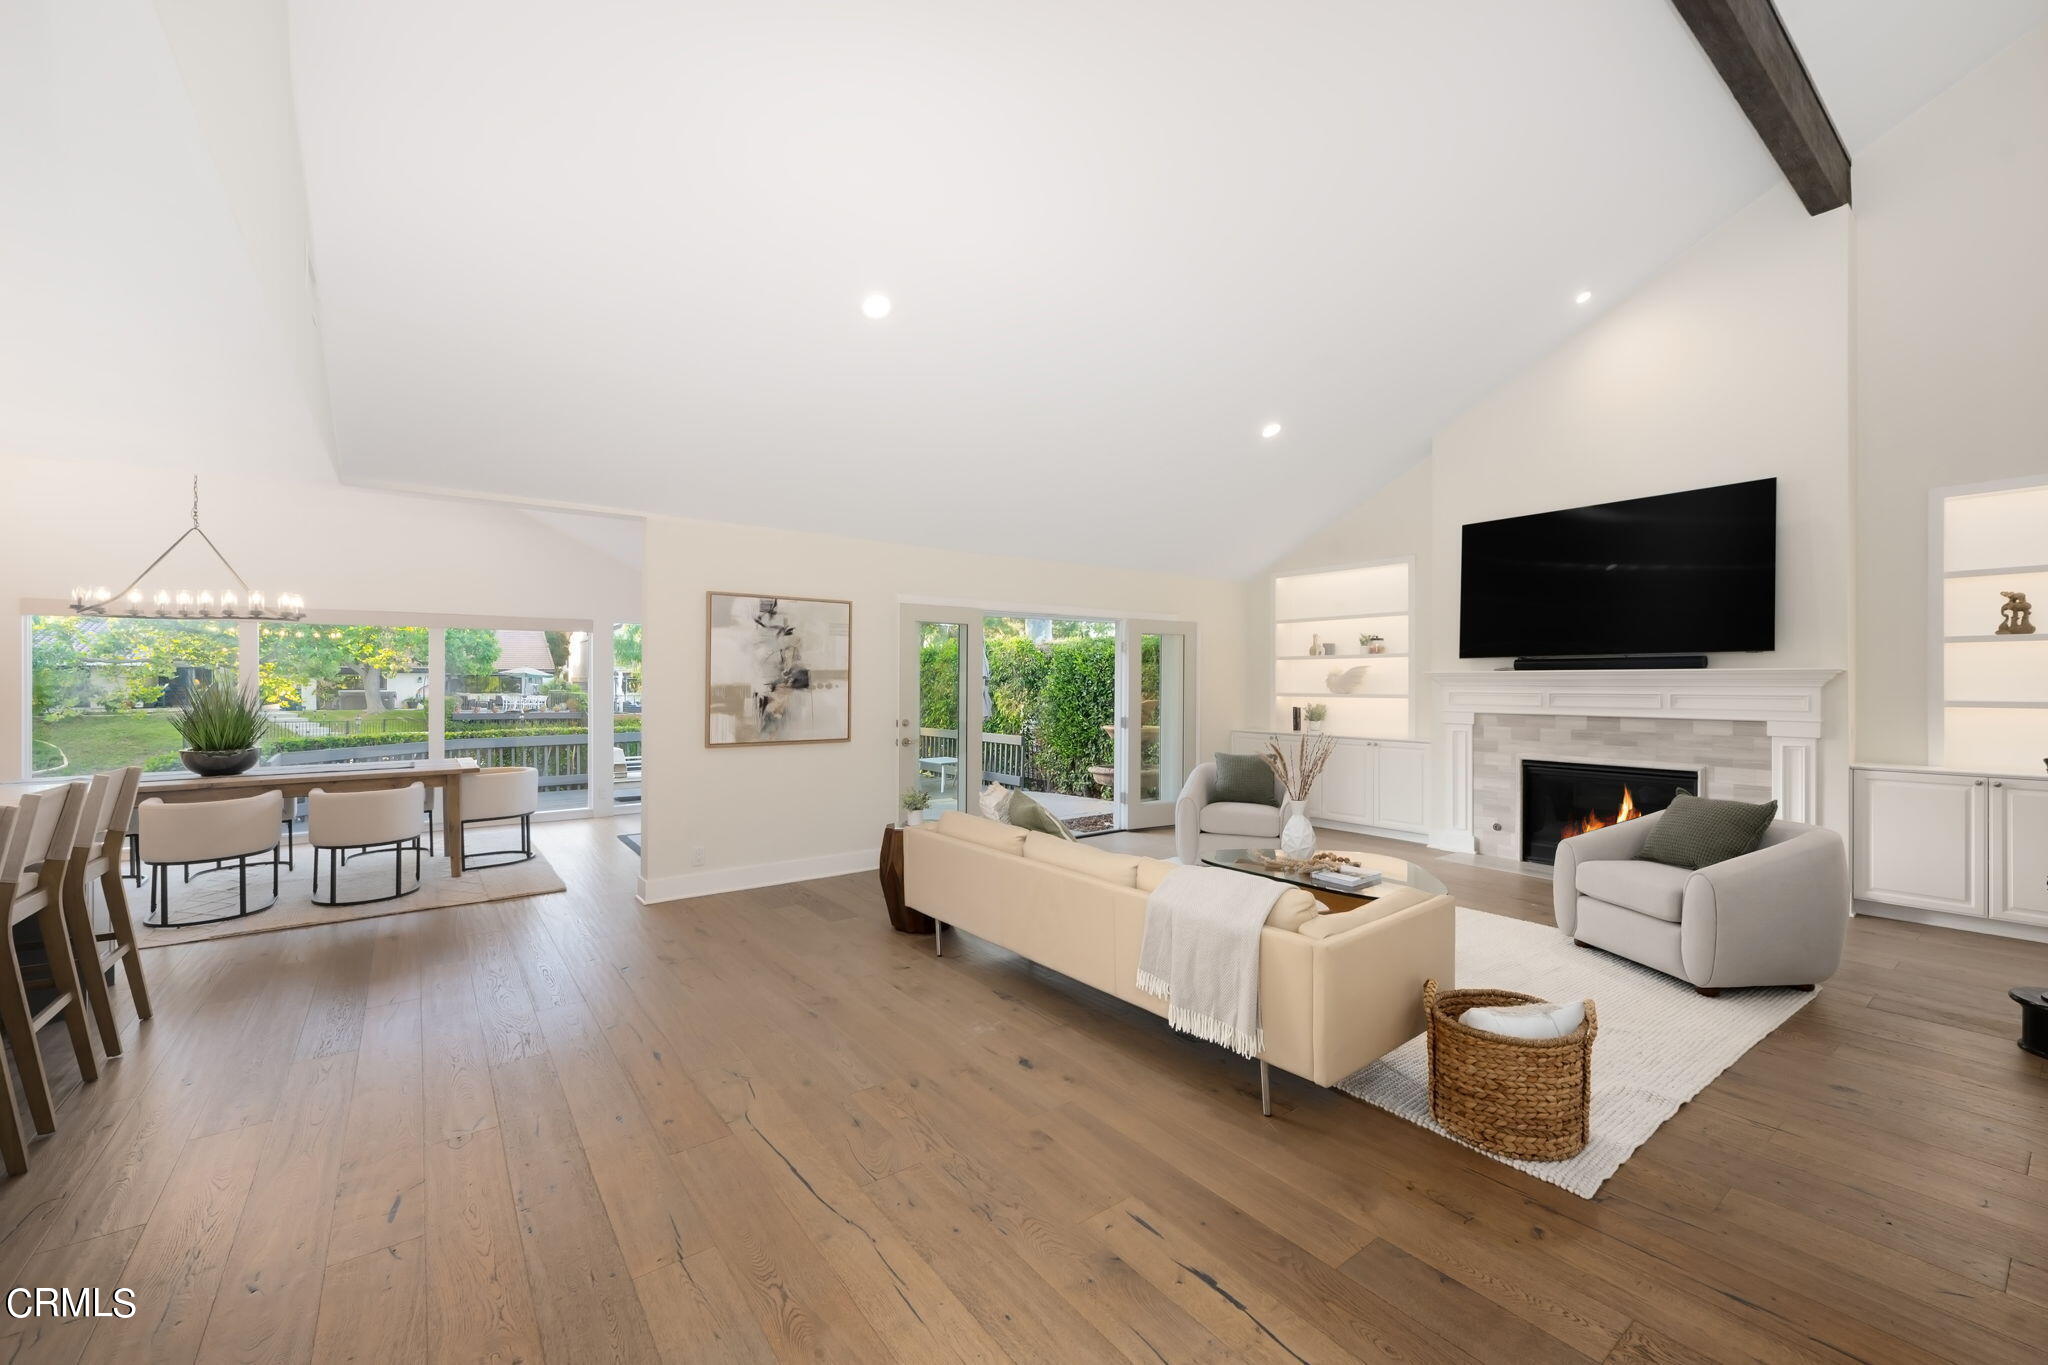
column 1787, row 700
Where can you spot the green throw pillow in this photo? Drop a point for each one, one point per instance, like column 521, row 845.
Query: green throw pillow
column 1696, row 832
column 1028, row 814
column 1244, row 778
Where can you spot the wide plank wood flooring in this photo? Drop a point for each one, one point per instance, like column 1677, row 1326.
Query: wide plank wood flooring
column 761, row 1126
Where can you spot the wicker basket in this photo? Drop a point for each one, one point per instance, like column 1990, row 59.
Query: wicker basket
column 1516, row 1097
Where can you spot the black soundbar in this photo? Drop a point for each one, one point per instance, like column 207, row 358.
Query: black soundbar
column 1591, row 661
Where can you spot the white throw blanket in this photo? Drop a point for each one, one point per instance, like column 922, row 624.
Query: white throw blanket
column 1201, row 953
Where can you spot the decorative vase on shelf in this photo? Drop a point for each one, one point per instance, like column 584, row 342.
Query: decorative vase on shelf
column 1297, row 835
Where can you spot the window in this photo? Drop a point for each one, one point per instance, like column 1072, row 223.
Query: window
column 521, row 698
column 102, row 689
column 341, row 693
column 626, row 714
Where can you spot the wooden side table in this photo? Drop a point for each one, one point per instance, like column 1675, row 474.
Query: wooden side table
column 901, row 917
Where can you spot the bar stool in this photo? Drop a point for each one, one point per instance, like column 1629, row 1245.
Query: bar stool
column 360, row 822
column 181, row 834
column 97, row 857
column 31, row 886
column 494, row 794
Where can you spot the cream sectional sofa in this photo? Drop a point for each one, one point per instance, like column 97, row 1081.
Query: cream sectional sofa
column 1335, row 990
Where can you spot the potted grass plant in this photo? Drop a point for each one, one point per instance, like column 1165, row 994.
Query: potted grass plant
column 914, row 802
column 221, row 726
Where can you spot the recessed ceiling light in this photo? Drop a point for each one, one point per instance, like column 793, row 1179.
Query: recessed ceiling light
column 1583, row 296
column 876, row 306
column 1270, row 430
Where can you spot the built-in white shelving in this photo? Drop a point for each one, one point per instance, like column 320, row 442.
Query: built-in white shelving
column 1334, row 607
column 1989, row 708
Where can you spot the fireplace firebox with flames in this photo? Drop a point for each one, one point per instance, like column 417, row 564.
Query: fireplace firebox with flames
column 1563, row 799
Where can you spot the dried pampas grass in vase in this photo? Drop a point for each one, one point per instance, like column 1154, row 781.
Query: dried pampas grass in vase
column 1297, row 774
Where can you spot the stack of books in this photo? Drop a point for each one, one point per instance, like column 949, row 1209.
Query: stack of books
column 1350, row 879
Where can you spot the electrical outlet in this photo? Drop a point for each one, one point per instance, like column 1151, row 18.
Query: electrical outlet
column 696, row 857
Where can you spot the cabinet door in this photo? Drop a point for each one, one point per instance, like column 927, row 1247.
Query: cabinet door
column 1399, row 771
column 1344, row 792
column 2019, row 851
column 1921, row 840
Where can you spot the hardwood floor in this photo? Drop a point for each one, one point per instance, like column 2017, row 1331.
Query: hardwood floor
column 763, row 1126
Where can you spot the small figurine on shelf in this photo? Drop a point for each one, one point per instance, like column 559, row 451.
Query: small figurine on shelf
column 2017, row 614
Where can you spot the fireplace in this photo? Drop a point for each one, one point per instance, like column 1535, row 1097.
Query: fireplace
column 1563, row 799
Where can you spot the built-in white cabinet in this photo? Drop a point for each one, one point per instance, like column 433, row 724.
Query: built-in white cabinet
column 2019, row 850
column 1922, row 840
column 1960, row 843
column 1367, row 783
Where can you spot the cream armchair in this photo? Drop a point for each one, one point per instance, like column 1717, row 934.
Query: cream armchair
column 1776, row 916
column 1194, row 815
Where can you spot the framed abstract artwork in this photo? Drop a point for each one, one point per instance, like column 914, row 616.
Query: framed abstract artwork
column 777, row 670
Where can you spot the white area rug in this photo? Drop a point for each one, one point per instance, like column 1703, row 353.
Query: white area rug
column 1659, row 1043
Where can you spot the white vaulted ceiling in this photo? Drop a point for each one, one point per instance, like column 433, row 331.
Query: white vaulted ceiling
column 613, row 252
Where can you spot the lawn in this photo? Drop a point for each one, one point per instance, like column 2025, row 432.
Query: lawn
column 92, row 744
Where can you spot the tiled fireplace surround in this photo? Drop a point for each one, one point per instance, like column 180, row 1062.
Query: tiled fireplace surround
column 1733, row 756
column 1755, row 733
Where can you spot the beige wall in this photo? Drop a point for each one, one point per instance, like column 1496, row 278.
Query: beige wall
column 1951, row 352
column 72, row 522
column 771, row 814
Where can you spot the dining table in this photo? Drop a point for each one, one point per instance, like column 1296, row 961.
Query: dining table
column 293, row 780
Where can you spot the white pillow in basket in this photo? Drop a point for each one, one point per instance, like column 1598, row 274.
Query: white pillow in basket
column 995, row 802
column 1540, row 1019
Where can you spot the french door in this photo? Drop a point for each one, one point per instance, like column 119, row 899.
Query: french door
column 946, row 750
column 938, row 724
column 1155, row 719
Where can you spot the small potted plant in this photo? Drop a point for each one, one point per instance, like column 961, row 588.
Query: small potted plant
column 1314, row 714
column 221, row 728
column 914, row 803
column 1373, row 644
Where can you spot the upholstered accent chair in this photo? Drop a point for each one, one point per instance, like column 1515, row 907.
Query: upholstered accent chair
column 1775, row 916
column 1194, row 815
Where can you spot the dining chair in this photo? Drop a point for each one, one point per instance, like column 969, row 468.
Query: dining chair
column 96, row 857
column 490, row 795
column 31, row 887
column 13, row 1146
column 338, row 823
column 219, row 832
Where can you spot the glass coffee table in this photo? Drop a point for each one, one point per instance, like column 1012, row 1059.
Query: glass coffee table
column 1393, row 872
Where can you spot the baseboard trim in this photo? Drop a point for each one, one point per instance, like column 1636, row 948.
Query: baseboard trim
column 1969, row 924
column 1406, row 836
column 1454, row 841
column 712, row 881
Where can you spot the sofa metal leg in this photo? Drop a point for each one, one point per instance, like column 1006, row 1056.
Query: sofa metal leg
column 1265, row 1089
column 938, row 938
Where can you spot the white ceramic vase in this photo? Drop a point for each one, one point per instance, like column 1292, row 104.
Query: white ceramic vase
column 912, row 818
column 1297, row 835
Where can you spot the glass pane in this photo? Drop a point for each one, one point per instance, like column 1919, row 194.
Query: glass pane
column 521, row 699
column 1162, row 693
column 940, row 669
column 102, row 689
column 1051, row 707
column 343, row 694
column 626, row 714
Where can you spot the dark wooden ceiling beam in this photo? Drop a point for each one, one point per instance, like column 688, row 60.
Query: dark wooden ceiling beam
column 1747, row 42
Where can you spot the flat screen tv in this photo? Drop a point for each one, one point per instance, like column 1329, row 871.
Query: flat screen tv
column 1681, row 573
